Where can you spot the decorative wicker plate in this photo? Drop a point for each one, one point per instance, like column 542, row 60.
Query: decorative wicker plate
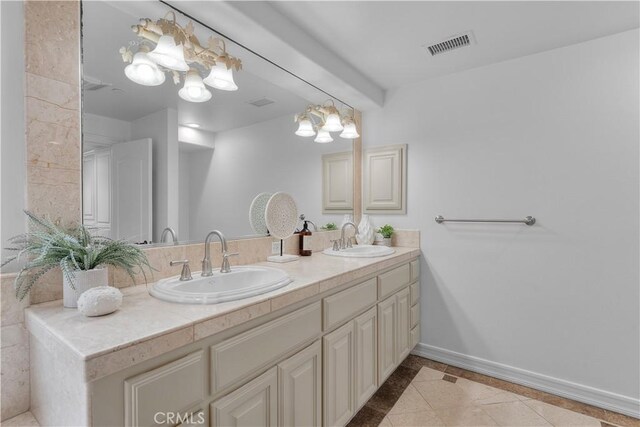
column 281, row 215
column 257, row 213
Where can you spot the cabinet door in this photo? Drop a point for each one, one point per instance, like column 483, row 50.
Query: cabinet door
column 403, row 340
column 366, row 355
column 338, row 376
column 254, row 404
column 387, row 330
column 300, row 388
column 89, row 188
column 337, row 182
column 103, row 188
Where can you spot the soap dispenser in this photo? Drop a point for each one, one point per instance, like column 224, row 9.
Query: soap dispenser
column 305, row 237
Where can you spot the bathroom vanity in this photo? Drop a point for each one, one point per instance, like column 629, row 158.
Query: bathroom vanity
column 310, row 353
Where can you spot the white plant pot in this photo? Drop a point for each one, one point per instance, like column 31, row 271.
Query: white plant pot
column 385, row 241
column 84, row 280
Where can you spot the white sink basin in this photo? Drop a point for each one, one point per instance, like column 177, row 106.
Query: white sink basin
column 361, row 251
column 241, row 282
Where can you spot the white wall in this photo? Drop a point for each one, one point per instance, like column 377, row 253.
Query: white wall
column 12, row 147
column 103, row 130
column 267, row 156
column 553, row 135
column 162, row 128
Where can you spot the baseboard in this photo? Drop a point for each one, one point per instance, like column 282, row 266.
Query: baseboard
column 581, row 393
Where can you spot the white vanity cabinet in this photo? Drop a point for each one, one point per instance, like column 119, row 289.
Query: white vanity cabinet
column 315, row 364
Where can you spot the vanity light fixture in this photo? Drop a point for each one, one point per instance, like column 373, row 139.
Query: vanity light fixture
column 330, row 120
column 143, row 70
column 323, row 136
column 193, row 89
column 167, row 47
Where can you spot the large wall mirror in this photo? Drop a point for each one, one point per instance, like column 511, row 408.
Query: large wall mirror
column 153, row 160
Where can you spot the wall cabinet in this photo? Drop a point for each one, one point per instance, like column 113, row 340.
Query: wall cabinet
column 385, row 180
column 337, row 183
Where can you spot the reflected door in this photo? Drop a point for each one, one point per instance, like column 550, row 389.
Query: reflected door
column 132, row 190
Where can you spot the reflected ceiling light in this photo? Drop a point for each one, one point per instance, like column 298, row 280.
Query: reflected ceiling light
column 144, row 71
column 177, row 50
column 331, row 120
column 192, row 125
column 350, row 131
column 332, row 123
column 193, row 89
column 323, row 136
column 305, row 127
column 221, row 77
column 168, row 54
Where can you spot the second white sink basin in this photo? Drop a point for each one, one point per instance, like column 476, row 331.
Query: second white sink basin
column 361, row 251
column 241, row 282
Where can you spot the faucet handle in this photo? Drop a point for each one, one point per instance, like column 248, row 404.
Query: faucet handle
column 336, row 244
column 186, row 270
column 225, row 268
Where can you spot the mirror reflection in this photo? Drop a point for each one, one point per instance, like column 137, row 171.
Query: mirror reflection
column 183, row 131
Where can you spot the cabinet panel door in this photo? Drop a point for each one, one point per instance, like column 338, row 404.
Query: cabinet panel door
column 387, row 329
column 338, row 376
column 89, row 188
column 366, row 355
column 403, row 340
column 103, row 188
column 254, row 404
column 337, row 182
column 300, row 388
column 385, row 180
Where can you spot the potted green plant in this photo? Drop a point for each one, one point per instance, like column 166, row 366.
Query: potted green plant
column 386, row 231
column 329, row 226
column 83, row 258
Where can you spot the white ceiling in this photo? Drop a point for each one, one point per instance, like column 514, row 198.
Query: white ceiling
column 384, row 39
column 107, row 27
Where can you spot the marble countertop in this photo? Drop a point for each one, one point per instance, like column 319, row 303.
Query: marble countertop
column 145, row 327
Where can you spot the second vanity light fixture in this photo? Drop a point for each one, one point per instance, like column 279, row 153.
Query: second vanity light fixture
column 166, row 47
column 329, row 120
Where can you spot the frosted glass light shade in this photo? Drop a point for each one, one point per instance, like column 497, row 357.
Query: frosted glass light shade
column 221, row 77
column 144, row 71
column 305, row 128
column 169, row 55
column 193, row 89
column 332, row 123
column 323, row 136
column 350, row 131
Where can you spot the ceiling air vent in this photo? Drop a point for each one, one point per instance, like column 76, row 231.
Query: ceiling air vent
column 261, row 102
column 450, row 44
column 92, row 84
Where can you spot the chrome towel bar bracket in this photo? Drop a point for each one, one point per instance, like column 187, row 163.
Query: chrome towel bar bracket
column 528, row 220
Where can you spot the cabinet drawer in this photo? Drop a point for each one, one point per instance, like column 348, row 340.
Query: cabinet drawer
column 393, row 280
column 415, row 269
column 415, row 315
column 241, row 356
column 172, row 388
column 346, row 304
column 415, row 292
column 415, row 336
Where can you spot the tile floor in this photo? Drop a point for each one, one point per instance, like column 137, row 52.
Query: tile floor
column 422, row 392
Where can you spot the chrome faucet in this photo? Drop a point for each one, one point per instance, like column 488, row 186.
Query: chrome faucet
column 206, row 261
column 186, row 271
column 167, row 231
column 347, row 243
